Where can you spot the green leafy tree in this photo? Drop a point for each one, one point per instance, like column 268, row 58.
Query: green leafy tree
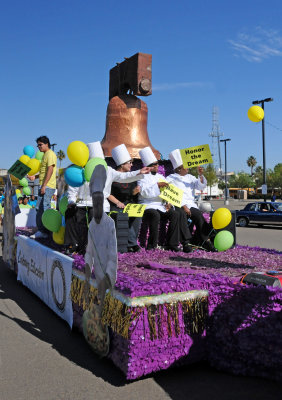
column 258, row 175
column 61, row 155
column 193, row 171
column 251, row 162
column 274, row 178
column 241, row 180
column 221, row 184
column 210, row 175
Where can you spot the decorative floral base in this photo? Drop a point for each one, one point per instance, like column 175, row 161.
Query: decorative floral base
column 149, row 332
column 244, row 327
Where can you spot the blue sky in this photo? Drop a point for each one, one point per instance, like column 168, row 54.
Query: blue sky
column 56, row 56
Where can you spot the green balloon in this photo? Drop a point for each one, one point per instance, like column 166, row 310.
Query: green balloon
column 223, row 240
column 23, row 182
column 90, row 166
column 39, row 155
column 27, row 190
column 52, row 220
column 63, row 205
column 19, row 195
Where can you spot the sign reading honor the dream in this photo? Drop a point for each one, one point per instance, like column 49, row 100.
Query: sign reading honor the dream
column 195, row 156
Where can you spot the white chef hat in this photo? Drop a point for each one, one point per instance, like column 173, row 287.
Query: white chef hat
column 205, row 207
column 95, row 150
column 175, row 158
column 147, row 156
column 120, row 154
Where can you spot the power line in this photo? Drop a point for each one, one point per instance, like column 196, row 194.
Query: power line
column 273, row 126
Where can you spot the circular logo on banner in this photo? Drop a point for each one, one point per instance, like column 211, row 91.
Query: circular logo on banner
column 58, row 276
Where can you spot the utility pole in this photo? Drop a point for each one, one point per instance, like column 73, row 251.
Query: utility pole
column 225, row 140
column 264, row 185
column 215, row 134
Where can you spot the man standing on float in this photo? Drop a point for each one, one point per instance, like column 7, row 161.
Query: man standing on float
column 47, row 183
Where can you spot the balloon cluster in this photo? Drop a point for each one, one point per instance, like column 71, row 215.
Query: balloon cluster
column 52, row 220
column 32, row 163
column 223, row 239
column 82, row 167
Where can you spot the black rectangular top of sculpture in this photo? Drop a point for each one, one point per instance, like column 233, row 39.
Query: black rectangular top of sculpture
column 132, row 76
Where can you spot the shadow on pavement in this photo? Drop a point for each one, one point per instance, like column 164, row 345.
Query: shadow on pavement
column 47, row 326
column 194, row 382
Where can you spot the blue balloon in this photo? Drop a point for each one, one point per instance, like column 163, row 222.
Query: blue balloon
column 29, row 151
column 63, row 221
column 74, row 176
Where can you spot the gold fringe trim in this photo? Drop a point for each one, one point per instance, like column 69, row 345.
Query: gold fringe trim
column 81, row 294
column 120, row 318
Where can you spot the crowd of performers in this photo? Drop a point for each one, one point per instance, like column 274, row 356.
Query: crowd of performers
column 123, row 186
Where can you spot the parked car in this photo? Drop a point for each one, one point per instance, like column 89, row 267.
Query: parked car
column 260, row 213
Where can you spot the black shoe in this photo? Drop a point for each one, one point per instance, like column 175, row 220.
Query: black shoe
column 208, row 246
column 133, row 249
column 187, row 248
column 150, row 247
column 172, row 248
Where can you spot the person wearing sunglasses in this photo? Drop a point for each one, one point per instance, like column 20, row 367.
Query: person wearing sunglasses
column 47, row 183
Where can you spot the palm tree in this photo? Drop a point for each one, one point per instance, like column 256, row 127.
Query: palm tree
column 61, row 155
column 251, row 162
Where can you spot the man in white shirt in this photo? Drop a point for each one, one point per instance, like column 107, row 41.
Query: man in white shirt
column 188, row 183
column 156, row 210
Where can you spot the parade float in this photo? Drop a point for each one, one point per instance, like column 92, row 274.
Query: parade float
column 166, row 309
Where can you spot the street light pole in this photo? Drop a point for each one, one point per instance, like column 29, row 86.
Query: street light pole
column 225, row 140
column 263, row 144
column 53, row 146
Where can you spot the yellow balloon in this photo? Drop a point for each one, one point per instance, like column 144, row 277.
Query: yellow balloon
column 59, row 237
column 221, row 218
column 34, row 164
column 24, row 159
column 255, row 113
column 78, row 153
column 18, row 191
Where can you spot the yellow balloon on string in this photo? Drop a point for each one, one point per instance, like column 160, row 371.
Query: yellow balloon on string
column 59, row 236
column 255, row 114
column 221, row 218
column 24, row 159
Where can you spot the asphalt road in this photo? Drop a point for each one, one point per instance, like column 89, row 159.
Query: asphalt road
column 40, row 358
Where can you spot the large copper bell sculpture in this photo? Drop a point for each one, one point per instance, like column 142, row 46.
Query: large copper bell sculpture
column 127, row 115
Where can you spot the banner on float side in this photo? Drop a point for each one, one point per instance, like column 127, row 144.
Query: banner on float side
column 172, row 194
column 46, row 273
column 135, row 210
column 59, row 270
column 196, row 156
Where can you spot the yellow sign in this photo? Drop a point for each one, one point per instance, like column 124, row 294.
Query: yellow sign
column 172, row 195
column 134, row 210
column 195, row 156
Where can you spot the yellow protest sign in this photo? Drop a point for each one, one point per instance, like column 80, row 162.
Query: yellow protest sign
column 172, row 195
column 195, row 156
column 134, row 210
